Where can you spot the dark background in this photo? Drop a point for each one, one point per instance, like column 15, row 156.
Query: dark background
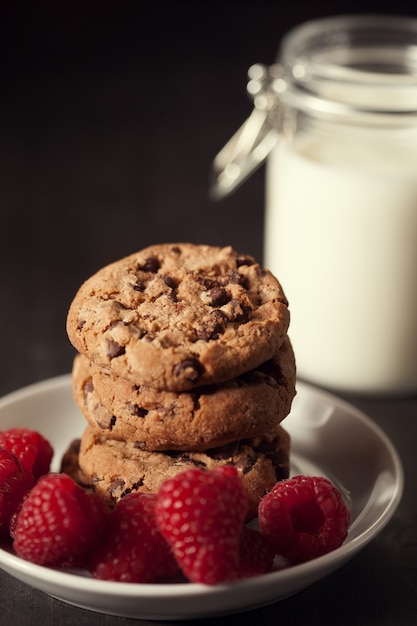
column 110, row 116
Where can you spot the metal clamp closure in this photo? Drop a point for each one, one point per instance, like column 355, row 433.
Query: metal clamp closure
column 252, row 143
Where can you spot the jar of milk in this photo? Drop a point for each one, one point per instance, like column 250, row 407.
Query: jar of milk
column 336, row 118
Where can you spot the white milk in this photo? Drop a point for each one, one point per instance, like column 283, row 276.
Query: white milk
column 341, row 195
column 341, row 236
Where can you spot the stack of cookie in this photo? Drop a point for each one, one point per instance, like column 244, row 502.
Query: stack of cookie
column 183, row 360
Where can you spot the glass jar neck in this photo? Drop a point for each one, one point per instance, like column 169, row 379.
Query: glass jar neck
column 361, row 66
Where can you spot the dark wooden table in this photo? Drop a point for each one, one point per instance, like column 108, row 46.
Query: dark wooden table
column 110, row 116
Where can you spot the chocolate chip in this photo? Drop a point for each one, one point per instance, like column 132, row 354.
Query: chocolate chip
column 137, row 331
column 119, row 306
column 136, row 485
column 170, row 282
column 208, row 283
column 116, row 323
column 239, row 312
column 167, row 410
column 213, row 326
column 139, row 286
column 103, row 418
column 244, row 260
column 218, row 296
column 140, row 445
column 245, row 464
column 88, row 387
column 137, row 410
column 151, row 264
column 114, row 349
column 190, row 369
column 119, row 484
column 205, row 333
column 232, row 277
column 80, row 324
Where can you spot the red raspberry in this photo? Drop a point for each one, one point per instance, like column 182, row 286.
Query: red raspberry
column 58, row 522
column 133, row 549
column 12, row 487
column 256, row 554
column 304, row 517
column 201, row 515
column 31, row 448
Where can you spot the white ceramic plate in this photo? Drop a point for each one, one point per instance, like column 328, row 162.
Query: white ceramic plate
column 329, row 437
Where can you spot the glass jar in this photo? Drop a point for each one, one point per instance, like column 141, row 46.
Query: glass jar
column 336, row 118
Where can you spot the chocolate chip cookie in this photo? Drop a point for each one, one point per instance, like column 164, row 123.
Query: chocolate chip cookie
column 116, row 468
column 179, row 316
column 247, row 406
